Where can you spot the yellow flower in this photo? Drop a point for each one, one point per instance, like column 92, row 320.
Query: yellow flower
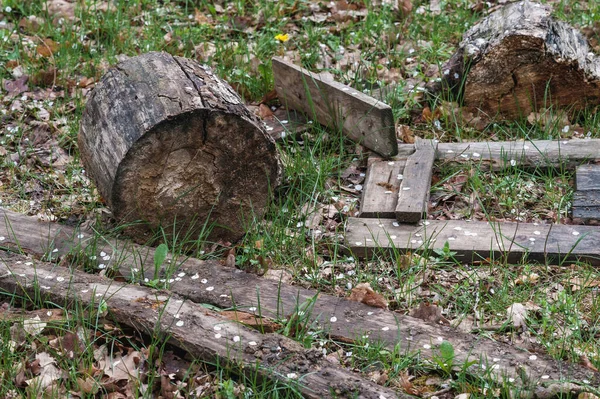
column 282, row 37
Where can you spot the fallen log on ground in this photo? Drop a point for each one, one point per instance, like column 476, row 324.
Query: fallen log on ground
column 519, row 60
column 200, row 332
column 224, row 287
column 507, row 154
column 170, row 144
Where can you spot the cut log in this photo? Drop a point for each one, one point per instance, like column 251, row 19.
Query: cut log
column 192, row 328
column 519, row 60
column 234, row 288
column 362, row 118
column 169, row 143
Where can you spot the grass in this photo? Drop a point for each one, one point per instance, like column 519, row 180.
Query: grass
column 361, row 44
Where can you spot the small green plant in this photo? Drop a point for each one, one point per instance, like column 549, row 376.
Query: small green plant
column 160, row 254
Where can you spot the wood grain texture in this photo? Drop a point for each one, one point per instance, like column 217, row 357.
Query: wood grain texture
column 519, row 60
column 380, row 191
column 587, row 177
column 191, row 327
column 170, row 144
column 413, row 193
column 344, row 320
column 362, row 118
column 474, row 241
column 505, row 154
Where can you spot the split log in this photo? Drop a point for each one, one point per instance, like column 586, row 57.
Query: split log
column 168, row 142
column 519, row 60
column 344, row 320
column 191, row 327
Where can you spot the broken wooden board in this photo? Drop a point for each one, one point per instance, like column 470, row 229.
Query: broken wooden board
column 361, row 117
column 380, row 191
column 190, row 326
column 414, row 188
column 505, row 154
column 211, row 283
column 586, row 200
column 476, row 241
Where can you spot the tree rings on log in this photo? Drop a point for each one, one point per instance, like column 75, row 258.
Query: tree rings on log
column 518, row 60
column 170, row 144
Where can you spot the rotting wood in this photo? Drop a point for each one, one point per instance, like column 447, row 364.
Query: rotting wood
column 345, row 320
column 380, row 191
column 200, row 332
column 475, row 241
column 505, row 154
column 586, row 200
column 520, row 60
column 362, row 118
column 413, row 193
column 170, row 144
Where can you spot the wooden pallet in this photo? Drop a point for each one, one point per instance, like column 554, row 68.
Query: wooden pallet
column 382, row 228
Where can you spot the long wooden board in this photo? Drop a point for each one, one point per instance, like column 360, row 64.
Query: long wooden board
column 477, row 240
column 586, row 200
column 189, row 326
column 362, row 118
column 414, row 188
column 503, row 154
column 210, row 282
column 380, row 191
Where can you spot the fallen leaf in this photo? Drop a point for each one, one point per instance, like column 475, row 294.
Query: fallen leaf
column 430, row 313
column 365, row 294
column 517, row 314
column 405, row 133
column 17, row 86
column 278, row 275
column 251, row 320
column 585, row 362
column 34, row 326
column 47, row 48
column 264, row 112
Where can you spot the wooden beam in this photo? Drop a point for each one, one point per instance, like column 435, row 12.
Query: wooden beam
column 477, row 240
column 200, row 332
column 344, row 320
column 586, row 200
column 362, row 118
column 380, row 191
column 503, row 154
column 414, row 188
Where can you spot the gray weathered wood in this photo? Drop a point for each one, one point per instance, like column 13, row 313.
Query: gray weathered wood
column 361, row 117
column 586, row 198
column 587, row 177
column 519, row 60
column 191, row 327
column 414, row 188
column 503, row 154
column 474, row 241
column 233, row 287
column 380, row 191
column 170, row 144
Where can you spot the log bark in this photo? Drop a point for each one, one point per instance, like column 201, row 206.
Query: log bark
column 519, row 60
column 166, row 141
column 191, row 327
column 232, row 288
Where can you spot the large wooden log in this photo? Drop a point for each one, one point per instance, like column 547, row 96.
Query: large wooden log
column 344, row 320
column 519, row 60
column 166, row 141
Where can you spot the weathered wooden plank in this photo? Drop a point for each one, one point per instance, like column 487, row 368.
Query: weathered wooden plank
column 200, row 332
column 503, row 154
column 361, row 117
column 587, row 177
column 586, row 213
column 380, row 191
column 477, row 240
column 414, row 188
column 587, row 198
column 345, row 320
